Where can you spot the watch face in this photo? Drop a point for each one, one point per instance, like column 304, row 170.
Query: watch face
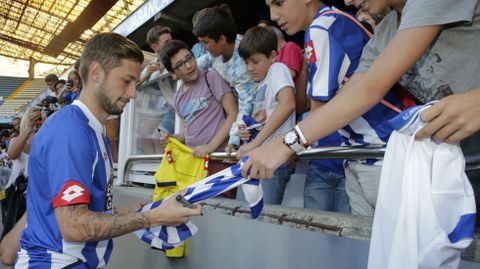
column 290, row 138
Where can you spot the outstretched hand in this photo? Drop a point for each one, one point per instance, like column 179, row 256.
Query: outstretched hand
column 264, row 160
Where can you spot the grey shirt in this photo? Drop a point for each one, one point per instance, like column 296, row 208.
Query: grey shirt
column 450, row 65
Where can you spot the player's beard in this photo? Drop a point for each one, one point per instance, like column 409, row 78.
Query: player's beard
column 106, row 104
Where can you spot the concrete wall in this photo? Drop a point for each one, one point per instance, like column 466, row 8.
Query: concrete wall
column 284, row 238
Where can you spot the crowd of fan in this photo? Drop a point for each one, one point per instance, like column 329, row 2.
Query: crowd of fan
column 238, row 92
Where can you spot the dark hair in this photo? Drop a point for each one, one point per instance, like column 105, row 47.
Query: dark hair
column 215, row 21
column 171, row 48
column 108, row 49
column 154, row 33
column 258, row 40
column 51, row 78
column 60, row 81
column 5, row 133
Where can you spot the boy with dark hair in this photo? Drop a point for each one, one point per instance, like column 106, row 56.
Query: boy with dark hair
column 215, row 28
column 204, row 101
column 50, row 80
column 274, row 102
column 157, row 37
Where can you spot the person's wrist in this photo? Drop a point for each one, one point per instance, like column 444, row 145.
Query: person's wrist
column 254, row 143
column 29, row 130
column 211, row 148
column 149, row 219
column 282, row 147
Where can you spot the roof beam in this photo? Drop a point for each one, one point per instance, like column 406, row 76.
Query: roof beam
column 28, row 25
column 32, row 46
column 94, row 11
column 38, row 61
column 21, row 15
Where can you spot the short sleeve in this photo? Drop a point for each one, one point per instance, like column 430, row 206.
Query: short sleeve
column 384, row 32
column 418, row 13
column 293, row 57
column 71, row 159
column 218, row 85
column 328, row 65
column 369, row 54
column 280, row 78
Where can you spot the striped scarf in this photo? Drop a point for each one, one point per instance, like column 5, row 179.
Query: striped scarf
column 168, row 237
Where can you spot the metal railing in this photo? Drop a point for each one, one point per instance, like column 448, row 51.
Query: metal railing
column 343, row 152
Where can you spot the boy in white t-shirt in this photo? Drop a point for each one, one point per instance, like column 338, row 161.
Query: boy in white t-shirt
column 274, row 101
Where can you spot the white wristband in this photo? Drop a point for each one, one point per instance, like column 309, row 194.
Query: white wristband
column 302, row 137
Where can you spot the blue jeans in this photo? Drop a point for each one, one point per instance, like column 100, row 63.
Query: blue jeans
column 325, row 190
column 273, row 189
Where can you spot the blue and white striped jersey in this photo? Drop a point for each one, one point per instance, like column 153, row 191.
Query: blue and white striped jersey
column 70, row 163
column 333, row 47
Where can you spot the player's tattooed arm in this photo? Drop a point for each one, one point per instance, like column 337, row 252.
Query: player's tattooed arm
column 78, row 223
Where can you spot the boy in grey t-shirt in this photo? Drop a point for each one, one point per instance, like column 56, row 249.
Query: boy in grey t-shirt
column 204, row 101
column 450, row 65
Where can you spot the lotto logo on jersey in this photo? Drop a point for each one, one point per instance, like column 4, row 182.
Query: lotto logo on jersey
column 310, row 52
column 71, row 193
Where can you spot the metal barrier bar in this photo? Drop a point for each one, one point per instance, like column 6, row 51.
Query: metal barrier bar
column 352, row 152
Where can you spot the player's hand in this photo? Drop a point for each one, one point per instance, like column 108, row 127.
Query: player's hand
column 171, row 212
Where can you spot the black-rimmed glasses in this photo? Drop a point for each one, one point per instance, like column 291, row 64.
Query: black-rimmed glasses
column 188, row 59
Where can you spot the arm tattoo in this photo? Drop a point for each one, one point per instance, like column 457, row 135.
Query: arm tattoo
column 86, row 225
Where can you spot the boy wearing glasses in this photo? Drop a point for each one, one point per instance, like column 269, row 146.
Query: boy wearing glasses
column 204, row 101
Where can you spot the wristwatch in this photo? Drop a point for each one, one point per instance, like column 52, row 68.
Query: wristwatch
column 292, row 140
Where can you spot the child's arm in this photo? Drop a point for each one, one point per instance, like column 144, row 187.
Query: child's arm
column 231, row 110
column 286, row 105
column 147, row 72
column 244, row 87
column 164, row 138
